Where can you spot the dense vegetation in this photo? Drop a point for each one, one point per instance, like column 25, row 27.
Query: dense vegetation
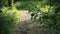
column 49, row 9
column 9, row 18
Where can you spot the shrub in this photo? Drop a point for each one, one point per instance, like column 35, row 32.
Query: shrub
column 8, row 20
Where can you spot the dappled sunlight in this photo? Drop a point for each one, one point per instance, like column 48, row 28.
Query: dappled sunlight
column 46, row 8
column 25, row 16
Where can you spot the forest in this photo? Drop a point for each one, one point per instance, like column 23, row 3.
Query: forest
column 44, row 17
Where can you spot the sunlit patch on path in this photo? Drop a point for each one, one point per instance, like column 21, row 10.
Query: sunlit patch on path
column 24, row 15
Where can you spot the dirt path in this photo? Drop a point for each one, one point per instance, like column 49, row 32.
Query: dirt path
column 27, row 26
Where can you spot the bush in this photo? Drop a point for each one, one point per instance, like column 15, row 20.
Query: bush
column 8, row 20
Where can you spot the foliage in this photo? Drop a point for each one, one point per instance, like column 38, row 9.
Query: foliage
column 31, row 6
column 4, row 3
column 8, row 20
